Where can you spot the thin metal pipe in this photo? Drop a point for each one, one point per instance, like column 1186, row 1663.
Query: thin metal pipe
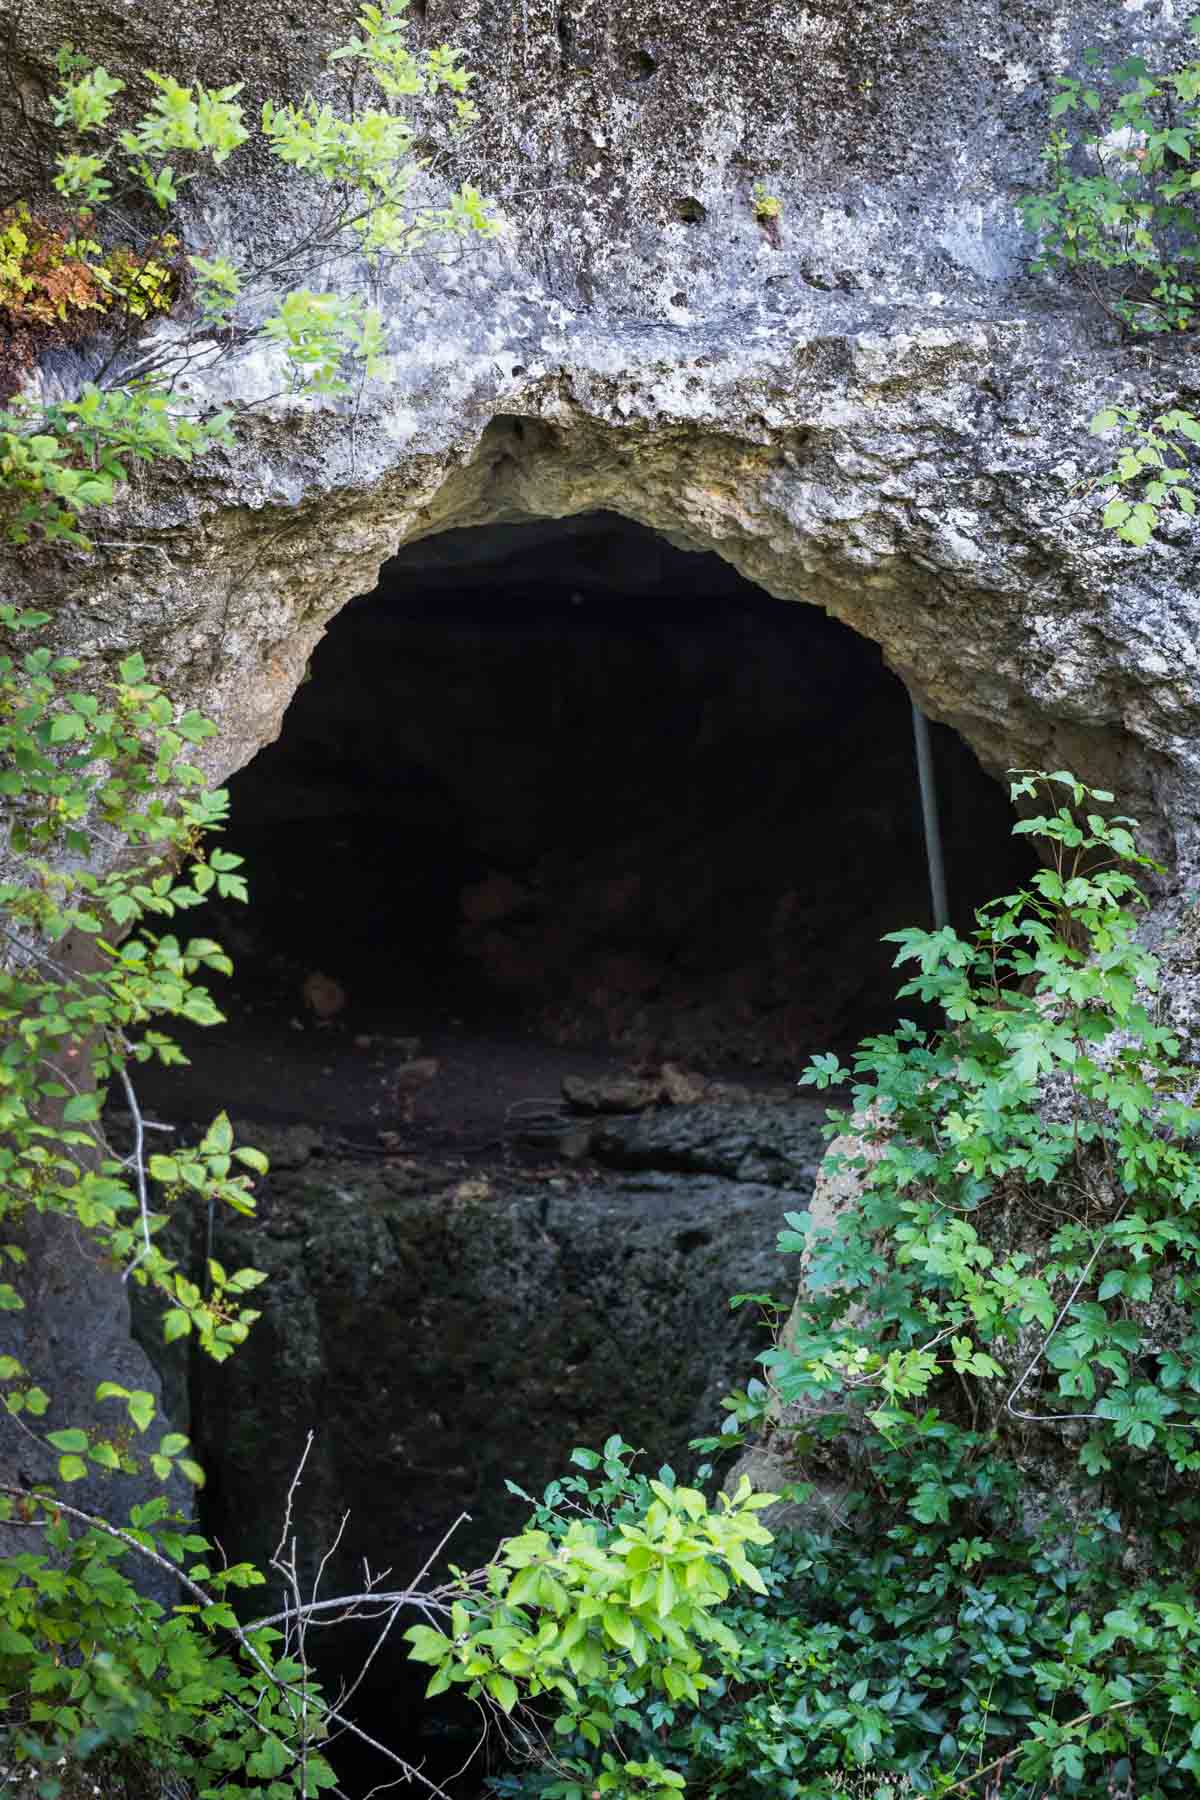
column 929, row 815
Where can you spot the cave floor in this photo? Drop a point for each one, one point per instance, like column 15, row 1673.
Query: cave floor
column 419, row 1077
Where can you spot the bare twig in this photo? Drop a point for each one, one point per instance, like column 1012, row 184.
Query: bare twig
column 297, row 1694
column 139, row 1173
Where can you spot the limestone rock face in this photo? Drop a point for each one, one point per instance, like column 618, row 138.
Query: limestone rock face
column 870, row 409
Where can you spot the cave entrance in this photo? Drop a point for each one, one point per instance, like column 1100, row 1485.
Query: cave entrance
column 569, row 781
column 557, row 799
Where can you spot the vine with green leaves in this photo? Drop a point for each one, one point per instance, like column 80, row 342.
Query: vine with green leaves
column 1120, row 214
column 1119, row 211
column 989, row 1388
column 1029, row 1244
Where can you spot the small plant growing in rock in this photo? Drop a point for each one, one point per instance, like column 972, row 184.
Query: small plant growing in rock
column 55, row 276
column 1121, row 214
column 768, row 211
column 1152, row 473
column 767, row 206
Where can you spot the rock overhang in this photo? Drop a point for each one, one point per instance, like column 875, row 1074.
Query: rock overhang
column 879, row 415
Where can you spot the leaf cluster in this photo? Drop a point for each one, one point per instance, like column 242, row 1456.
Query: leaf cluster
column 612, row 1594
column 88, row 1661
column 1120, row 202
column 1152, row 473
column 924, row 1655
column 55, row 278
column 106, row 819
column 370, row 163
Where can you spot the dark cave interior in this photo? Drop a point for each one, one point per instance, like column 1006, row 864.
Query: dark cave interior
column 570, row 779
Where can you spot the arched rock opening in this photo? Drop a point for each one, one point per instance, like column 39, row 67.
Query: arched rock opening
column 571, row 779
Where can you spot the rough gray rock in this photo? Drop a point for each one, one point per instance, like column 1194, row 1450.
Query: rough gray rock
column 73, row 1333
column 881, row 416
column 778, row 1147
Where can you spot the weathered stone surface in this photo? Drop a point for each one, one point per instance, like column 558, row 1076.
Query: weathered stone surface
column 669, row 1085
column 72, row 1333
column 610, row 1093
column 881, row 416
column 776, row 1146
column 772, row 1461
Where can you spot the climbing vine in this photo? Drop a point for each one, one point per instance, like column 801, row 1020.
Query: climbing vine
column 1152, row 475
column 990, row 1384
column 1119, row 209
column 1120, row 213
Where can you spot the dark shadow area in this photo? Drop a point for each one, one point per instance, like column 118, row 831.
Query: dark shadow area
column 570, row 778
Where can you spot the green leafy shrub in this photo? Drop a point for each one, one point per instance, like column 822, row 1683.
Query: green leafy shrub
column 1152, row 473
column 996, row 1359
column 83, row 771
column 607, row 1604
column 914, row 1658
column 1120, row 206
column 87, row 1660
column 94, row 776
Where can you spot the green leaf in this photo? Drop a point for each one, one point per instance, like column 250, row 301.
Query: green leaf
column 81, row 1108
column 72, row 1468
column 428, row 1646
column 141, row 1408
column 70, row 1439
column 503, row 1691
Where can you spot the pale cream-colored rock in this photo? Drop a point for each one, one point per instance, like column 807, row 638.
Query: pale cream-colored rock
column 774, row 1461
